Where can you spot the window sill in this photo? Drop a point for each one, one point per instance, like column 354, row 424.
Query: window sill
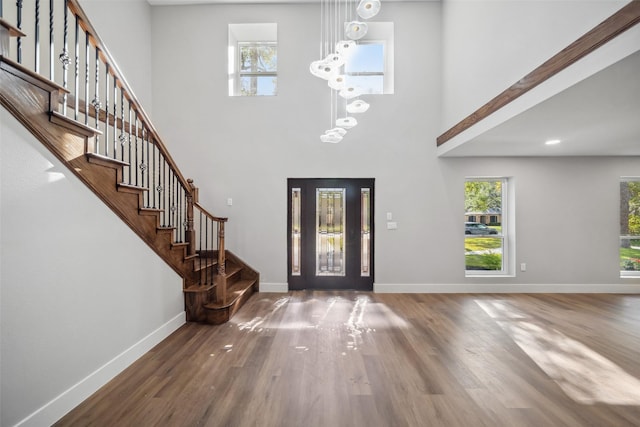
column 492, row 275
column 630, row 274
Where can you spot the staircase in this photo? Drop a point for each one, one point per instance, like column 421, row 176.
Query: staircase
column 84, row 112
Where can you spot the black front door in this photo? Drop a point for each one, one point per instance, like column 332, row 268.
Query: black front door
column 330, row 233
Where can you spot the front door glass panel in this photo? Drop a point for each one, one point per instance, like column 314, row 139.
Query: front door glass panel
column 330, row 229
column 365, row 231
column 295, row 231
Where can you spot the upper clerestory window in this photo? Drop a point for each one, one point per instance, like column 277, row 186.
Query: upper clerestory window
column 253, row 59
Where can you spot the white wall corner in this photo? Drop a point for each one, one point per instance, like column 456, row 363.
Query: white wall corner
column 69, row 399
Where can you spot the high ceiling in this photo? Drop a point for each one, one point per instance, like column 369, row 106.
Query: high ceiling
column 597, row 114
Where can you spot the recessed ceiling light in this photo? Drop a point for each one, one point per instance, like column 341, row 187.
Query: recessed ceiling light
column 552, row 142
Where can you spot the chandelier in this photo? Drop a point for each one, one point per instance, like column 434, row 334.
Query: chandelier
column 342, row 24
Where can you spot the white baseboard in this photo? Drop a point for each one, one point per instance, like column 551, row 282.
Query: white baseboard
column 475, row 288
column 274, row 287
column 58, row 407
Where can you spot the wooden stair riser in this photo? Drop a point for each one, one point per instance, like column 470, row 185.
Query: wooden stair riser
column 195, row 301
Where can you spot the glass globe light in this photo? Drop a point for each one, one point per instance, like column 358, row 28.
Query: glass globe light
column 368, row 8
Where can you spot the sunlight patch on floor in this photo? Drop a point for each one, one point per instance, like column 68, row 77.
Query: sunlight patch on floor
column 584, row 375
column 256, row 324
column 356, row 315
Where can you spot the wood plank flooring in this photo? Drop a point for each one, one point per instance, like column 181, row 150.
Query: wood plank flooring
column 361, row 359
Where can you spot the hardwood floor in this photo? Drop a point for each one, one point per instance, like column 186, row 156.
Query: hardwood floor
column 361, row 359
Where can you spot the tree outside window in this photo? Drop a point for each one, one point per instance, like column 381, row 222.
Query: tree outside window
column 630, row 227
column 258, row 68
column 485, row 242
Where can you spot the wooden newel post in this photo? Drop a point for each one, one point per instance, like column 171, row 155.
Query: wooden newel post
column 190, row 234
column 221, row 253
column 221, row 286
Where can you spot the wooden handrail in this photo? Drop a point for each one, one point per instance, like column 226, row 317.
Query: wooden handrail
column 616, row 24
column 212, row 217
column 107, row 58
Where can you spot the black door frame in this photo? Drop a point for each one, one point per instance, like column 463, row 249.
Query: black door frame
column 353, row 279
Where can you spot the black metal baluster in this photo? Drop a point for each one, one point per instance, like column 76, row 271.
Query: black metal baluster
column 143, row 167
column 135, row 164
column 160, row 188
column 176, row 224
column 96, row 100
column 174, row 208
column 182, row 213
column 176, row 215
column 115, row 117
column 214, row 232
column 149, row 166
column 123, row 136
column 200, row 246
column 106, row 109
column 86, row 78
column 51, row 49
column 167, row 197
column 64, row 57
column 130, row 160
column 19, row 24
column 179, row 224
column 36, row 38
column 76, row 82
column 153, row 177
column 163, row 200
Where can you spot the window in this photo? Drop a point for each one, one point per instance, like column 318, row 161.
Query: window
column 630, row 227
column 370, row 64
column 365, row 67
column 486, row 244
column 253, row 59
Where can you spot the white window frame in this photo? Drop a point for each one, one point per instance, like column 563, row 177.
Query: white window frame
column 626, row 273
column 259, row 33
column 507, row 233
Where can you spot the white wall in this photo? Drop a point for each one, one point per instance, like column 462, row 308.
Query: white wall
column 246, row 148
column 125, row 27
column 488, row 45
column 81, row 295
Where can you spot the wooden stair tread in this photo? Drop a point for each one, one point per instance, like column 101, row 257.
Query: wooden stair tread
column 130, row 188
column 13, row 31
column 150, row 211
column 99, row 159
column 200, row 264
column 73, row 125
column 199, row 288
column 234, row 292
column 231, row 270
column 29, row 76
